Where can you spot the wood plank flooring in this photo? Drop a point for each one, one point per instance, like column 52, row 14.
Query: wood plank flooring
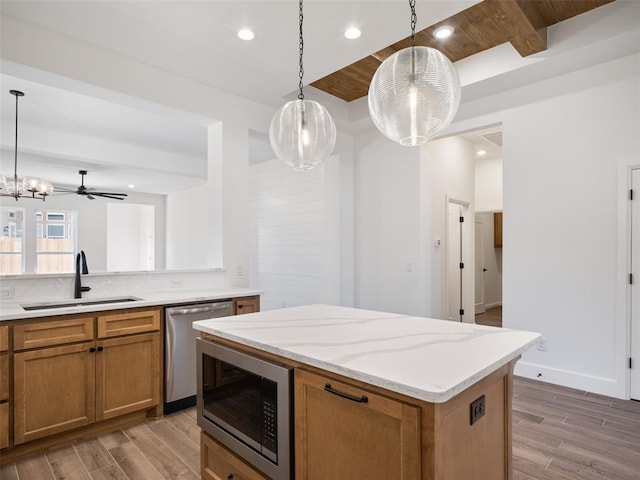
column 558, row 434
column 492, row 317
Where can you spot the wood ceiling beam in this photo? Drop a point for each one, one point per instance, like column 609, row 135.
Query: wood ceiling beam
column 528, row 25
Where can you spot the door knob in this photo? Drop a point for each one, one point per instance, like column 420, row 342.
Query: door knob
column 484, row 269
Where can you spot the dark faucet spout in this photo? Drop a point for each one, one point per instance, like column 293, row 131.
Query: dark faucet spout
column 81, row 268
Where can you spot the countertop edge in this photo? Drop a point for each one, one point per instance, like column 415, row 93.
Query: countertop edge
column 419, row 394
column 219, row 294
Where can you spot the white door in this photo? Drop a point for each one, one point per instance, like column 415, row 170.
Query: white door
column 635, row 287
column 454, row 258
column 479, row 266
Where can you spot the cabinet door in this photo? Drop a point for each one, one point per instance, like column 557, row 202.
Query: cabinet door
column 338, row 437
column 4, row 425
column 246, row 305
column 53, row 390
column 4, row 338
column 127, row 374
column 220, row 464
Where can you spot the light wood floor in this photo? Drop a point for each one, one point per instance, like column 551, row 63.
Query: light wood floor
column 492, row 317
column 558, row 434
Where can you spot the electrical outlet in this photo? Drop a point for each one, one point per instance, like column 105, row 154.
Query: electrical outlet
column 477, row 409
column 6, row 293
column 240, row 271
column 176, row 284
column 542, row 344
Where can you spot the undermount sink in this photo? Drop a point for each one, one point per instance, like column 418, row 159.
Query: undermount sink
column 78, row 303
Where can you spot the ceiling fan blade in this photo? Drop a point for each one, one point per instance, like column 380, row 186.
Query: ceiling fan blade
column 89, row 196
column 114, row 196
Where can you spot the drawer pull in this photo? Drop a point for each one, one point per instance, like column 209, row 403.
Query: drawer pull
column 362, row 399
column 92, row 349
column 100, row 349
column 230, row 476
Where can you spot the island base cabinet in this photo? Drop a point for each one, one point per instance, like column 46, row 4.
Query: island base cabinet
column 220, row 464
column 342, row 431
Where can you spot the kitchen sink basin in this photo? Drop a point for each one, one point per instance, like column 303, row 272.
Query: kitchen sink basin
column 78, row 303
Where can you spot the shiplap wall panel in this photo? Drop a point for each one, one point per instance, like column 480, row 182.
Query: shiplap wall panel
column 287, row 235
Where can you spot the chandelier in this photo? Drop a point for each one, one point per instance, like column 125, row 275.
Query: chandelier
column 302, row 133
column 415, row 93
column 13, row 187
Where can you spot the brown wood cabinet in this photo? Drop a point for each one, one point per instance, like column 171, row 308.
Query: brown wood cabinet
column 54, row 390
column 127, row 374
column 246, row 305
column 4, row 338
column 218, row 463
column 4, row 425
column 68, row 372
column 497, row 229
column 5, row 361
column 361, row 437
column 390, row 435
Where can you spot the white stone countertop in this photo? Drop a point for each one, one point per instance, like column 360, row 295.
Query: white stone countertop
column 427, row 359
column 12, row 310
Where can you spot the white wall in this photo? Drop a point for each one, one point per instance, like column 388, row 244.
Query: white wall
column 488, row 184
column 566, row 155
column 388, row 252
column 92, row 223
column 130, row 237
column 187, row 239
column 448, row 173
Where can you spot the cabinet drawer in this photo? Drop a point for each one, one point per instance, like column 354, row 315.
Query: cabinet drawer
column 52, row 332
column 128, row 323
column 220, row 464
column 4, row 425
column 4, row 338
column 4, row 377
column 246, row 305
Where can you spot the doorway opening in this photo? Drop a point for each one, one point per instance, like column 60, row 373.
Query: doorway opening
column 488, row 206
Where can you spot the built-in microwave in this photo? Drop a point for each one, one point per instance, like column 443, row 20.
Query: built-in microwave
column 245, row 403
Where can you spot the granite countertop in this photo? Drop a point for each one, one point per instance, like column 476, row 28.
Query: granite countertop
column 427, row 359
column 12, row 310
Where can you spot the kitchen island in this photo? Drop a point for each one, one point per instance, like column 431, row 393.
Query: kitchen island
column 438, row 393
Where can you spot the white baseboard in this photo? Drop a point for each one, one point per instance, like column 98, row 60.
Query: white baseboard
column 491, row 305
column 589, row 383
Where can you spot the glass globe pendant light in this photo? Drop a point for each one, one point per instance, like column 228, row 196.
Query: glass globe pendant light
column 415, row 93
column 302, row 133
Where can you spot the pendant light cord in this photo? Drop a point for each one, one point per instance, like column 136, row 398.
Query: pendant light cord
column 414, row 19
column 15, row 154
column 301, row 44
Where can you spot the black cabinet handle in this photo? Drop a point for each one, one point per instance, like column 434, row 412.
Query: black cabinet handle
column 100, row 349
column 240, row 306
column 92, row 350
column 362, row 399
column 230, row 476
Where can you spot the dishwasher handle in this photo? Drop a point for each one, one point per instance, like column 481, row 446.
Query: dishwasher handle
column 194, row 310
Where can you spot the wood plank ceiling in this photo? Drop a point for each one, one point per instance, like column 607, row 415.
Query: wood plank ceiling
column 485, row 25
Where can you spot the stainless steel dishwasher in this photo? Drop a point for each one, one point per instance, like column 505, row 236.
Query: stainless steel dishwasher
column 180, row 350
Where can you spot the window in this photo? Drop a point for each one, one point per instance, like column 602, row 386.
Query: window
column 55, row 241
column 11, row 241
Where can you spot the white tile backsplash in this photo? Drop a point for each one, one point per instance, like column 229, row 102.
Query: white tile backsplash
column 37, row 288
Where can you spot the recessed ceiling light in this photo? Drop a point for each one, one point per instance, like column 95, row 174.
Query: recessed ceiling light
column 131, row 185
column 245, row 34
column 445, row 31
column 352, row 33
column 481, row 152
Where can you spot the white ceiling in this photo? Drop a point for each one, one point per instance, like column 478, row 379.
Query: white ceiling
column 63, row 131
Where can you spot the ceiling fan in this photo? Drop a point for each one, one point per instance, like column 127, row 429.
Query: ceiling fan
column 90, row 193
